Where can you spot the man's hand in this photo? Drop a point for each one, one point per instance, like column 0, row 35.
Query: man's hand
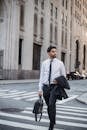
column 54, row 81
column 40, row 93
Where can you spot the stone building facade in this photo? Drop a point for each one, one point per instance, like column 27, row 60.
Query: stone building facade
column 28, row 27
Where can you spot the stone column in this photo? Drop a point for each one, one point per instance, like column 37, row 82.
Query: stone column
column 73, row 44
column 12, row 36
column 68, row 37
column 59, row 28
column 28, row 37
column 46, row 40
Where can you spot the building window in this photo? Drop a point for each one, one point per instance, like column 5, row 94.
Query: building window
column 62, row 18
column 66, row 21
column 20, row 52
column 66, row 4
column 41, row 27
column 36, row 56
column 22, row 16
column 62, row 37
column 42, row 4
column 35, row 24
column 51, row 9
column 1, row 59
column 62, row 2
column 77, row 55
column 84, row 56
column 1, row 8
column 66, row 38
column 36, row 2
column 63, row 57
column 51, row 33
column 56, row 13
column 55, row 35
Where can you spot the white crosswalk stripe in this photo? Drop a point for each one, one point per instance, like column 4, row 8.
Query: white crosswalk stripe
column 66, row 115
column 62, row 119
column 23, row 125
column 27, row 96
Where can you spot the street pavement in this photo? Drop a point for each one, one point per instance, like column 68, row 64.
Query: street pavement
column 21, row 95
column 82, row 98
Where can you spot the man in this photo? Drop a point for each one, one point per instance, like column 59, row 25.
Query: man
column 51, row 69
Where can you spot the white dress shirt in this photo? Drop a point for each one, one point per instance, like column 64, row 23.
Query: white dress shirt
column 58, row 69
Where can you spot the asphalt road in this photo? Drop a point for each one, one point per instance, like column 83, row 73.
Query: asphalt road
column 17, row 100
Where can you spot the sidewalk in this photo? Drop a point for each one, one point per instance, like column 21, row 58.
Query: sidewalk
column 3, row 82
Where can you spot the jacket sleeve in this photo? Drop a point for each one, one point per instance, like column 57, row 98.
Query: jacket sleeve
column 62, row 82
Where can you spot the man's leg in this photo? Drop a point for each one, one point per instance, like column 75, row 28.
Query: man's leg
column 46, row 95
column 52, row 108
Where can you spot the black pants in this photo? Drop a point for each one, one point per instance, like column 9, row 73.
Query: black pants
column 50, row 99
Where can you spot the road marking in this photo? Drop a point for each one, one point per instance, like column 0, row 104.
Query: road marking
column 24, row 125
column 4, row 90
column 58, row 102
column 66, row 100
column 16, row 94
column 13, row 91
column 27, row 96
column 60, row 116
column 9, row 94
column 63, row 112
column 31, row 95
column 13, row 94
column 68, row 109
column 32, row 99
column 71, row 107
column 43, row 120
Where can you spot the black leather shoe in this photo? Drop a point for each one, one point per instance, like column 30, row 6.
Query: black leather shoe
column 51, row 126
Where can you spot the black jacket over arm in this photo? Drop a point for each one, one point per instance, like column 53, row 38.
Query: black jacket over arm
column 62, row 84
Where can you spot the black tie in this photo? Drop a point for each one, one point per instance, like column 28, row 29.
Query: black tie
column 50, row 69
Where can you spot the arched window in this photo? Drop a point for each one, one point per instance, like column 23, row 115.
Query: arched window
column 35, row 24
column 51, row 32
column 41, row 27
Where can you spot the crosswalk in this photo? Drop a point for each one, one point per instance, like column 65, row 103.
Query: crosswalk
column 66, row 116
column 26, row 96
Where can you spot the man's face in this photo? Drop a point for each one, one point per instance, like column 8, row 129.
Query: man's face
column 52, row 53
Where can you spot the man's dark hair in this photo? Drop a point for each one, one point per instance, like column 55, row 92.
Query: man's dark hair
column 50, row 48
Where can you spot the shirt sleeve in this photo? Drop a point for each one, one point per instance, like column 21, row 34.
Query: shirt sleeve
column 41, row 77
column 63, row 72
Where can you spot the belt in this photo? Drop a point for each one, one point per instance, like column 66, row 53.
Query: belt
column 48, row 84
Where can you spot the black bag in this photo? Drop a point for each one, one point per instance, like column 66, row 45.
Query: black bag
column 38, row 108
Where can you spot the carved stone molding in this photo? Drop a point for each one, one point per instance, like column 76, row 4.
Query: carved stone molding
column 20, row 2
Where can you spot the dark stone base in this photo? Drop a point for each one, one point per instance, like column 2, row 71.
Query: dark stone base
column 20, row 74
